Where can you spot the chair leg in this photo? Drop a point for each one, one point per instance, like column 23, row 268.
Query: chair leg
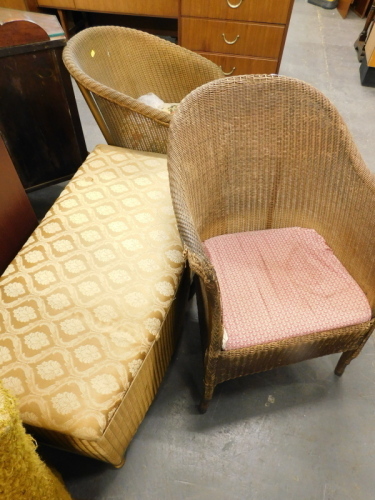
column 192, row 290
column 203, row 405
column 206, row 398
column 343, row 362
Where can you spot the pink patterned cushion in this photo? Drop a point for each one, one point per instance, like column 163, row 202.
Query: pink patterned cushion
column 282, row 283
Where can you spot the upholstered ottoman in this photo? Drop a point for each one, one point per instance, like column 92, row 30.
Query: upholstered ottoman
column 90, row 307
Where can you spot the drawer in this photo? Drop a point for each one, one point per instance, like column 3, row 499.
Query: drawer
column 250, row 39
column 57, row 4
column 159, row 8
column 237, row 65
column 266, row 11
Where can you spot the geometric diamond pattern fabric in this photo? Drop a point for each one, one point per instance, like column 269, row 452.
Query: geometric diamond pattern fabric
column 84, row 300
column 282, row 283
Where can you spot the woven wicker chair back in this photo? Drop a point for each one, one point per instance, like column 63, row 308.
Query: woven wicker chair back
column 114, row 66
column 258, row 152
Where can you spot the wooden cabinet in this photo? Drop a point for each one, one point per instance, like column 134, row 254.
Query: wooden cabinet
column 39, row 118
column 241, row 36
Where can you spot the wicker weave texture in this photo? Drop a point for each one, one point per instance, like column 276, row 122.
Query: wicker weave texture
column 114, row 66
column 259, row 152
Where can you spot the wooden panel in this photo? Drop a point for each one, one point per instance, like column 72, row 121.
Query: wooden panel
column 236, row 65
column 57, row 4
column 49, row 24
column 270, row 11
column 370, row 48
column 39, row 117
column 20, row 4
column 343, row 7
column 161, row 8
column 361, row 7
column 20, row 32
column 202, row 35
column 17, row 218
column 14, row 4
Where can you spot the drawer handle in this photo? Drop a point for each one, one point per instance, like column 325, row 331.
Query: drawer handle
column 232, row 6
column 230, row 72
column 230, row 43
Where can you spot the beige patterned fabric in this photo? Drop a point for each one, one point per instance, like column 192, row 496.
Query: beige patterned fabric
column 85, row 298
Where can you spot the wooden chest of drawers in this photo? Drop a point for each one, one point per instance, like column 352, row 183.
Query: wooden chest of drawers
column 242, row 36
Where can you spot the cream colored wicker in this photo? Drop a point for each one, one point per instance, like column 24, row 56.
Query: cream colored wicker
column 113, row 66
column 260, row 152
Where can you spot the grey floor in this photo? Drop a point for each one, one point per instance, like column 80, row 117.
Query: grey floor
column 295, row 433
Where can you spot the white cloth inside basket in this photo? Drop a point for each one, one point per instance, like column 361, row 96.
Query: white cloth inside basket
column 154, row 101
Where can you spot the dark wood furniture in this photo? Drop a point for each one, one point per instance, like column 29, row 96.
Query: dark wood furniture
column 38, row 114
column 360, row 7
column 17, row 218
column 367, row 74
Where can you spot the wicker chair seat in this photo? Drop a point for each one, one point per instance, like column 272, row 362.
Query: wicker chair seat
column 88, row 306
column 278, row 284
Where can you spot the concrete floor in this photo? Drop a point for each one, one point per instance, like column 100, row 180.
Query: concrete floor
column 295, row 433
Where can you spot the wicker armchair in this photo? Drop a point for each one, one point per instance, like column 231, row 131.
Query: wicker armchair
column 254, row 153
column 113, row 66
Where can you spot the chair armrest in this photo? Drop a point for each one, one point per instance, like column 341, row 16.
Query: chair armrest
column 351, row 231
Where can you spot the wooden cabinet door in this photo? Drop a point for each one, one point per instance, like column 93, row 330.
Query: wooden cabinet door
column 31, row 5
column 38, row 115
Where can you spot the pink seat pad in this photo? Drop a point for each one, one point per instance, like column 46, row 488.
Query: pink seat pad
column 281, row 283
